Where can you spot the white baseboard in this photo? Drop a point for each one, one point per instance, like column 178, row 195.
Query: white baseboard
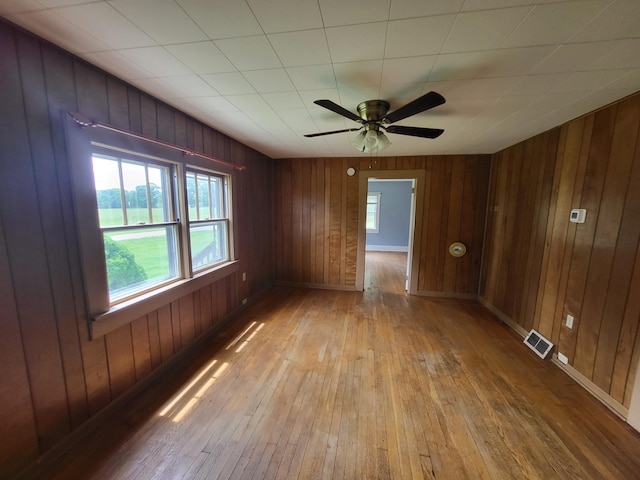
column 606, row 399
column 385, row 248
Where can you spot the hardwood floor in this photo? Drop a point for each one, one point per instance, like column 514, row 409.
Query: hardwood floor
column 331, row 384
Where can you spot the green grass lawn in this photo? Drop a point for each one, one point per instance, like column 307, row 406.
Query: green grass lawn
column 150, row 252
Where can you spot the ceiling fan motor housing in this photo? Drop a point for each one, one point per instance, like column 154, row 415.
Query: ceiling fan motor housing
column 373, row 110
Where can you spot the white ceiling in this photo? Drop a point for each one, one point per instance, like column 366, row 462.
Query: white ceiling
column 509, row 69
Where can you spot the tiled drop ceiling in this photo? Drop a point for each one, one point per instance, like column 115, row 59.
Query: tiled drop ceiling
column 508, row 69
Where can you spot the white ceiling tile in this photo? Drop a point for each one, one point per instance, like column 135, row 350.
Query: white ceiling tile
column 265, row 81
column 189, row 86
column 309, row 96
column 419, row 36
column 411, row 9
column 279, row 100
column 48, row 24
column 628, row 80
column 222, row 18
column 620, row 20
column 339, row 12
column 113, row 28
column 407, row 70
column 492, row 4
column 477, row 88
column 116, row 64
column 350, row 97
column 9, row 7
column 599, row 99
column 156, row 60
column 483, row 30
column 298, row 120
column 554, row 23
column 249, row 53
column 537, row 84
column 213, row 104
column 313, row 78
column 625, row 55
column 302, row 48
column 356, row 42
column 63, row 3
column 168, row 24
column 458, row 66
column 201, row 57
column 354, row 74
column 588, row 81
column 514, row 61
column 575, row 57
column 399, row 95
column 286, row 15
column 156, row 88
column 232, row 83
column 248, row 102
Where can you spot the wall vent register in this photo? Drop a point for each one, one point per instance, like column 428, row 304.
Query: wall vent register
column 536, row 342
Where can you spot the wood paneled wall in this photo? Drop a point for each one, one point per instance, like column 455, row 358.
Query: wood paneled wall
column 52, row 377
column 539, row 267
column 316, row 219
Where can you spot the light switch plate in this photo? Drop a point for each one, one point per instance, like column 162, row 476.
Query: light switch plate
column 578, row 215
column 569, row 322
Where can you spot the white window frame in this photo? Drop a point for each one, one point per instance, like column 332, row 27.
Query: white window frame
column 209, row 220
column 377, row 196
column 105, row 315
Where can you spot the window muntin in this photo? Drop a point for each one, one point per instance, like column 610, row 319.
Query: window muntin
column 136, row 201
column 373, row 212
column 207, row 198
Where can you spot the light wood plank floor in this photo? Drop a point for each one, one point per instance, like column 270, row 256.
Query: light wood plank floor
column 373, row 385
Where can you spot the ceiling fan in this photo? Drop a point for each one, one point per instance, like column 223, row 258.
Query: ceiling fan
column 374, row 116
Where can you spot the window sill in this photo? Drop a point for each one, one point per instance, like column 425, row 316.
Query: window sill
column 126, row 312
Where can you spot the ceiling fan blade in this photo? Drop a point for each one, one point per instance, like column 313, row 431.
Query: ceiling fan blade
column 334, row 107
column 425, row 102
column 415, row 131
column 309, row 135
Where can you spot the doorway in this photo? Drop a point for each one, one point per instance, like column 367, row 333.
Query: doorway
column 415, row 179
column 389, row 224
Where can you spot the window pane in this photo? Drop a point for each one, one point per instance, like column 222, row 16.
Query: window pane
column 204, row 212
column 372, row 199
column 135, row 187
column 371, row 217
column 158, row 185
column 208, row 244
column 106, row 176
column 191, row 196
column 137, row 260
column 217, row 197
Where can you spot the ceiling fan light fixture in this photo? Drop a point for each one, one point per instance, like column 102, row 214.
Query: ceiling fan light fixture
column 371, row 141
column 358, row 142
column 383, row 141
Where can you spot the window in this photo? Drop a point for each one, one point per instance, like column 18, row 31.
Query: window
column 154, row 222
column 373, row 212
column 208, row 219
column 136, row 202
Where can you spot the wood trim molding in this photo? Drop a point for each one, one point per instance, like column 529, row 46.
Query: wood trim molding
column 364, row 176
column 587, row 384
column 434, row 294
column 127, row 312
column 502, row 317
column 319, row 286
column 616, row 407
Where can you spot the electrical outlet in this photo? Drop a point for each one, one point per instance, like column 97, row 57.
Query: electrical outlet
column 244, row 301
column 244, row 276
column 569, row 322
column 563, row 358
